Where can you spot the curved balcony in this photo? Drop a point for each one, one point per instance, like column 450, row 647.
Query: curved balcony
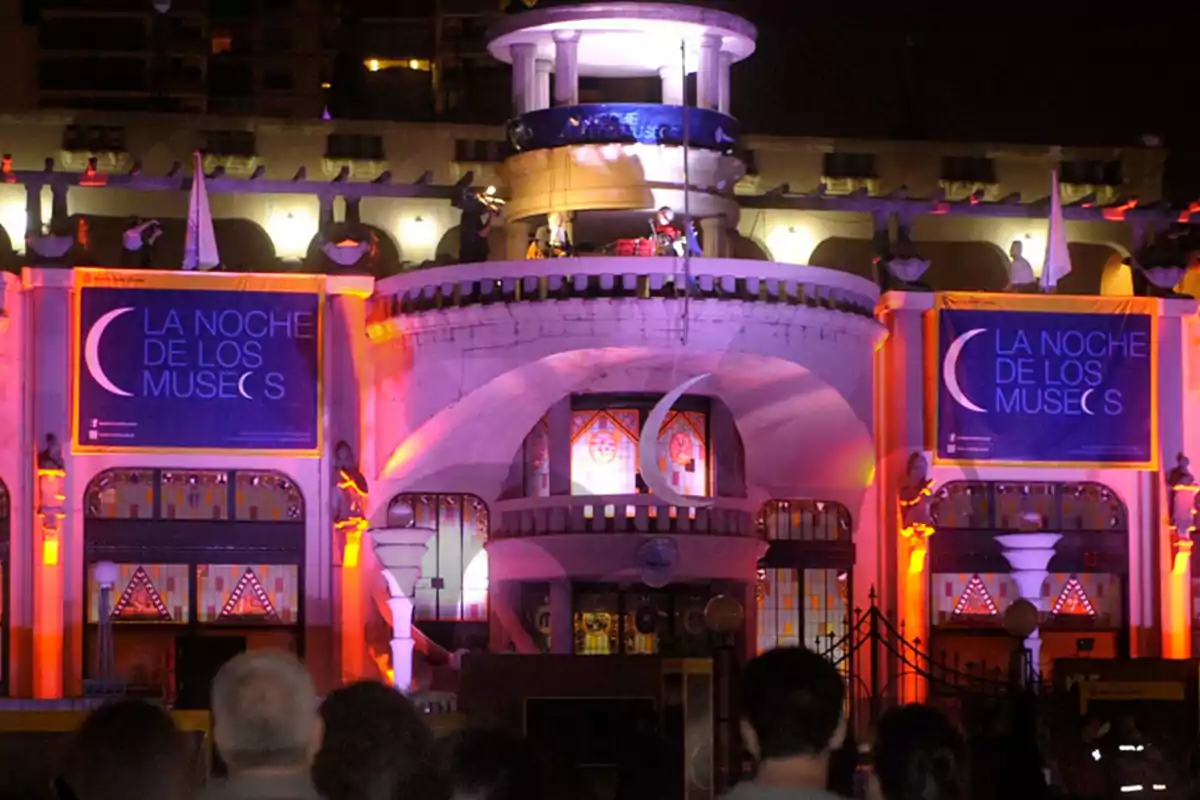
column 599, row 537
column 623, row 123
column 619, row 514
column 631, row 278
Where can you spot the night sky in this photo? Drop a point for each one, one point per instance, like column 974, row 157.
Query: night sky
column 1007, row 72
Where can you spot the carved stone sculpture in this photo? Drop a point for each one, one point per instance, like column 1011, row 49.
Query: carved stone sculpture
column 916, row 497
column 50, row 457
column 1182, row 489
column 349, row 486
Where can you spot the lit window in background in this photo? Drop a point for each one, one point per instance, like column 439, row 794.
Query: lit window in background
column 222, row 42
column 414, row 64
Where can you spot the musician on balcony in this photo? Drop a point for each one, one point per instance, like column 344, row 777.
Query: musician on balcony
column 551, row 239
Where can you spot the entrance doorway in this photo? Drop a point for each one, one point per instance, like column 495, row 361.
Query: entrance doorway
column 199, row 659
column 210, row 563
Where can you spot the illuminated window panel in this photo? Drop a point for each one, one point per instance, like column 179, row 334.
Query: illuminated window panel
column 1089, row 599
column 537, row 460
column 261, row 594
column 144, row 593
column 453, row 582
column 682, row 450
column 196, row 495
column 805, row 520
column 1091, row 507
column 596, row 624
column 121, row 494
column 267, row 497
column 1023, row 505
column 604, row 452
column 964, row 505
column 778, row 609
column 826, row 609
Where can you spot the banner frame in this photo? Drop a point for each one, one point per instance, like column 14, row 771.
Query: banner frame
column 283, row 283
column 1046, row 304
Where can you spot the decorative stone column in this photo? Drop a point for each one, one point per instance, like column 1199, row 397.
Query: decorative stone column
column 399, row 551
column 672, row 84
column 706, row 75
column 524, row 77
column 724, row 91
column 1028, row 556
column 518, row 234
column 541, row 82
column 566, row 68
column 716, row 237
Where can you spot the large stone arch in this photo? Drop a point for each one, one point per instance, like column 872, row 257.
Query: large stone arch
column 783, row 411
column 953, row 266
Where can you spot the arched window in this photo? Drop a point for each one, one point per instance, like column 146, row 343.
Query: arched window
column 197, row 545
column 804, row 592
column 1084, row 592
column 453, row 581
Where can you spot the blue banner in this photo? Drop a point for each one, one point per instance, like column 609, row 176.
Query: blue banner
column 623, row 123
column 182, row 368
column 1041, row 387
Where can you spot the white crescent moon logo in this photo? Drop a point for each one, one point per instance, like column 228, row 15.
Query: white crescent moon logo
column 1083, row 402
column 242, row 385
column 950, row 371
column 91, row 352
column 648, row 452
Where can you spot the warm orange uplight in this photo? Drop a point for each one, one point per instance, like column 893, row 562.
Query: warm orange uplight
column 1186, row 215
column 1183, row 557
column 48, row 590
column 384, row 664
column 50, row 552
column 1117, row 213
column 92, row 177
column 7, row 169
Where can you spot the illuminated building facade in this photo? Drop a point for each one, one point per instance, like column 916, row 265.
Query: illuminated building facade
column 356, row 443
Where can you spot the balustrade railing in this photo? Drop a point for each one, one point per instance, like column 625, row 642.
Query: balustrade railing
column 635, row 513
column 498, row 282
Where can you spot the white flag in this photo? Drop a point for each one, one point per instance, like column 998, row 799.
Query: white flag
column 1058, row 256
column 200, row 244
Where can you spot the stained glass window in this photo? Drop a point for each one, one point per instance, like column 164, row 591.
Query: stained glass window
column 805, row 520
column 1004, row 506
column 453, row 582
column 826, row 592
column 682, row 451
column 248, row 593
column 267, row 497
column 778, row 609
column 1027, row 505
column 121, row 494
column 537, row 460
column 143, row 593
column 597, row 624
column 1073, row 600
column 604, row 452
column 195, row 494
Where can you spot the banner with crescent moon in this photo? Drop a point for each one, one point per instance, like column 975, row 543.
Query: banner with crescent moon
column 211, row 362
column 1044, row 381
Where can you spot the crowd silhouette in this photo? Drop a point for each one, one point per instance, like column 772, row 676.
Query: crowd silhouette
column 276, row 740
